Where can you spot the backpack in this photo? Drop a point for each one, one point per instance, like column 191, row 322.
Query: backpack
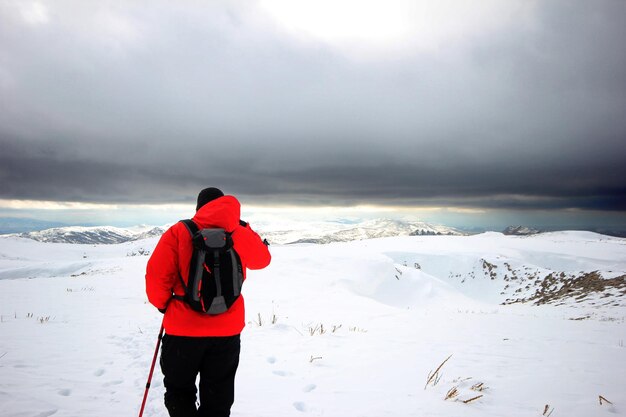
column 215, row 272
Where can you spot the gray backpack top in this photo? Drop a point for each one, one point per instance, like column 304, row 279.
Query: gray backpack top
column 215, row 272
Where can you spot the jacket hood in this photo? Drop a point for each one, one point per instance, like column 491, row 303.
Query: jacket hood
column 222, row 212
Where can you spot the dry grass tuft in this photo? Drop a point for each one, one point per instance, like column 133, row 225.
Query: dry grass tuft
column 452, row 393
column 357, row 329
column 434, row 377
column 472, row 399
column 601, row 398
column 546, row 410
column 319, row 328
column 480, row 387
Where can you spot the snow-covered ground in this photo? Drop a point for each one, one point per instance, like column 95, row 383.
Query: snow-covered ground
column 344, row 329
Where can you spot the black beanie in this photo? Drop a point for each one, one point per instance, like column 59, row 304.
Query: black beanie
column 207, row 195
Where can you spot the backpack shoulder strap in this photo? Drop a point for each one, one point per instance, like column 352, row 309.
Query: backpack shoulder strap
column 192, row 228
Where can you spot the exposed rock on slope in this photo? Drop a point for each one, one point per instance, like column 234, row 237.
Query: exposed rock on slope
column 520, row 231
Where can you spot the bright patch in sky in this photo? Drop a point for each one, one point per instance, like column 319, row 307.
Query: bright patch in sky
column 34, row 13
column 369, row 20
column 396, row 24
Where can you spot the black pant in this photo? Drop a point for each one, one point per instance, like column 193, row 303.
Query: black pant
column 215, row 359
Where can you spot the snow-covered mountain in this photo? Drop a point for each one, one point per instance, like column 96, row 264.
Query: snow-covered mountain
column 322, row 232
column 93, row 235
column 329, row 232
column 529, row 324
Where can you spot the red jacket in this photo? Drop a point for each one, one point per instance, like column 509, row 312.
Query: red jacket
column 172, row 256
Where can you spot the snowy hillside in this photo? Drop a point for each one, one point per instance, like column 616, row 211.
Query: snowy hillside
column 344, row 329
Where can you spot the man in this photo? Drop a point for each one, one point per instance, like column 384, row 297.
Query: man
column 196, row 343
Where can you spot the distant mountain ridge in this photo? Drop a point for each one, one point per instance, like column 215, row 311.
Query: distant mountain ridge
column 370, row 229
column 323, row 233
column 315, row 233
column 94, row 235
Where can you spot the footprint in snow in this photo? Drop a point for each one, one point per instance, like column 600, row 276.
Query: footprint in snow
column 115, row 382
column 99, row 372
column 282, row 373
column 65, row 392
column 300, row 406
column 309, row 388
column 271, row 359
column 47, row 413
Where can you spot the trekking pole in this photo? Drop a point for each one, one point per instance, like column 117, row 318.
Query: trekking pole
column 156, row 351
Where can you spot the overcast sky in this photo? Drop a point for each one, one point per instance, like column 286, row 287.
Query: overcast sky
column 489, row 105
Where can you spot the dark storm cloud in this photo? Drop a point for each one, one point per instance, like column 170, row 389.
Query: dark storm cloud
column 151, row 103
